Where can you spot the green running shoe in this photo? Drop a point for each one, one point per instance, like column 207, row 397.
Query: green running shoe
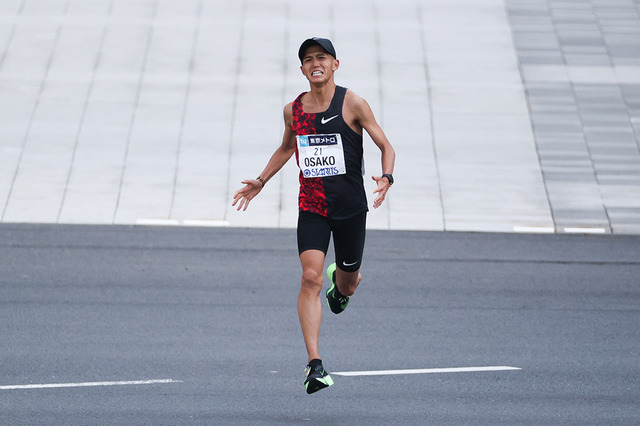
column 317, row 378
column 336, row 301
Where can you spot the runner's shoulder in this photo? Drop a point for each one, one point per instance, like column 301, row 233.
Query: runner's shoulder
column 354, row 101
column 288, row 113
column 356, row 107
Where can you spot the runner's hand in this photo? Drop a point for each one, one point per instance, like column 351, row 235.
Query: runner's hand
column 244, row 195
column 381, row 190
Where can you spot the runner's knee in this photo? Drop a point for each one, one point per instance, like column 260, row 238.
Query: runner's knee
column 312, row 279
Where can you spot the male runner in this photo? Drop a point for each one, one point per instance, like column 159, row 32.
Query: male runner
column 323, row 127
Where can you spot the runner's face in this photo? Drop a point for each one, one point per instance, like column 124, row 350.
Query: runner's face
column 317, row 65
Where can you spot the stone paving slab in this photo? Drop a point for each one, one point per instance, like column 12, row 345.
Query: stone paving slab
column 580, row 66
column 506, row 115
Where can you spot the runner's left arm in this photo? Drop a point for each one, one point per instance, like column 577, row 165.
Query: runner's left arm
column 364, row 116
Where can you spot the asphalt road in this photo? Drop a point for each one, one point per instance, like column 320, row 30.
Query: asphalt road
column 211, row 313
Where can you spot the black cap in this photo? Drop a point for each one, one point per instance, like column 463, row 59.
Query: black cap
column 325, row 43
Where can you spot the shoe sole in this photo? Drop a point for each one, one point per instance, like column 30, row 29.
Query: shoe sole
column 330, row 271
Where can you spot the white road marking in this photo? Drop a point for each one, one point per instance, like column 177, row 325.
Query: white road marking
column 157, row 222
column 424, row 371
column 186, row 222
column 206, row 223
column 534, row 229
column 89, row 384
column 585, row 230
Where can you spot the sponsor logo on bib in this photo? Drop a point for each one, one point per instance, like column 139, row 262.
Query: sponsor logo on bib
column 320, row 155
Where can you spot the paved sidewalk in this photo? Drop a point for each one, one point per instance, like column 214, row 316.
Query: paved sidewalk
column 514, row 115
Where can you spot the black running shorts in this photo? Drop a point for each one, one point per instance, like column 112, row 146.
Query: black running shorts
column 314, row 232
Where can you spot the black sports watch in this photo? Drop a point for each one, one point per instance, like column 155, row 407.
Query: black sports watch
column 389, row 177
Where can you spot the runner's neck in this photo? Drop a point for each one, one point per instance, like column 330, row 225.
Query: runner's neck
column 318, row 99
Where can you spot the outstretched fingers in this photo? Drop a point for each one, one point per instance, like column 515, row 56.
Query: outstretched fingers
column 243, row 196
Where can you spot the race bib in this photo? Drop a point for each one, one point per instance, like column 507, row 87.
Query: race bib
column 321, row 155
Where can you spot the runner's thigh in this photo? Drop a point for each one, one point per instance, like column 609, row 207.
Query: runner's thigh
column 348, row 241
column 314, row 232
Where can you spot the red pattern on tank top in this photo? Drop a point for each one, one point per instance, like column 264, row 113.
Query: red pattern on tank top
column 312, row 196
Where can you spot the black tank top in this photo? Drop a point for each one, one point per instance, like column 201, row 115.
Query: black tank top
column 338, row 191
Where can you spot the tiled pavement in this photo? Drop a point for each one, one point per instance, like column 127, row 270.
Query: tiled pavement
column 580, row 62
column 506, row 115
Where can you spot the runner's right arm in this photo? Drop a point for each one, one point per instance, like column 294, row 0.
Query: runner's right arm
column 252, row 187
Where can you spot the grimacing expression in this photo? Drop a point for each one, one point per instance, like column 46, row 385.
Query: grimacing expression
column 318, row 65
